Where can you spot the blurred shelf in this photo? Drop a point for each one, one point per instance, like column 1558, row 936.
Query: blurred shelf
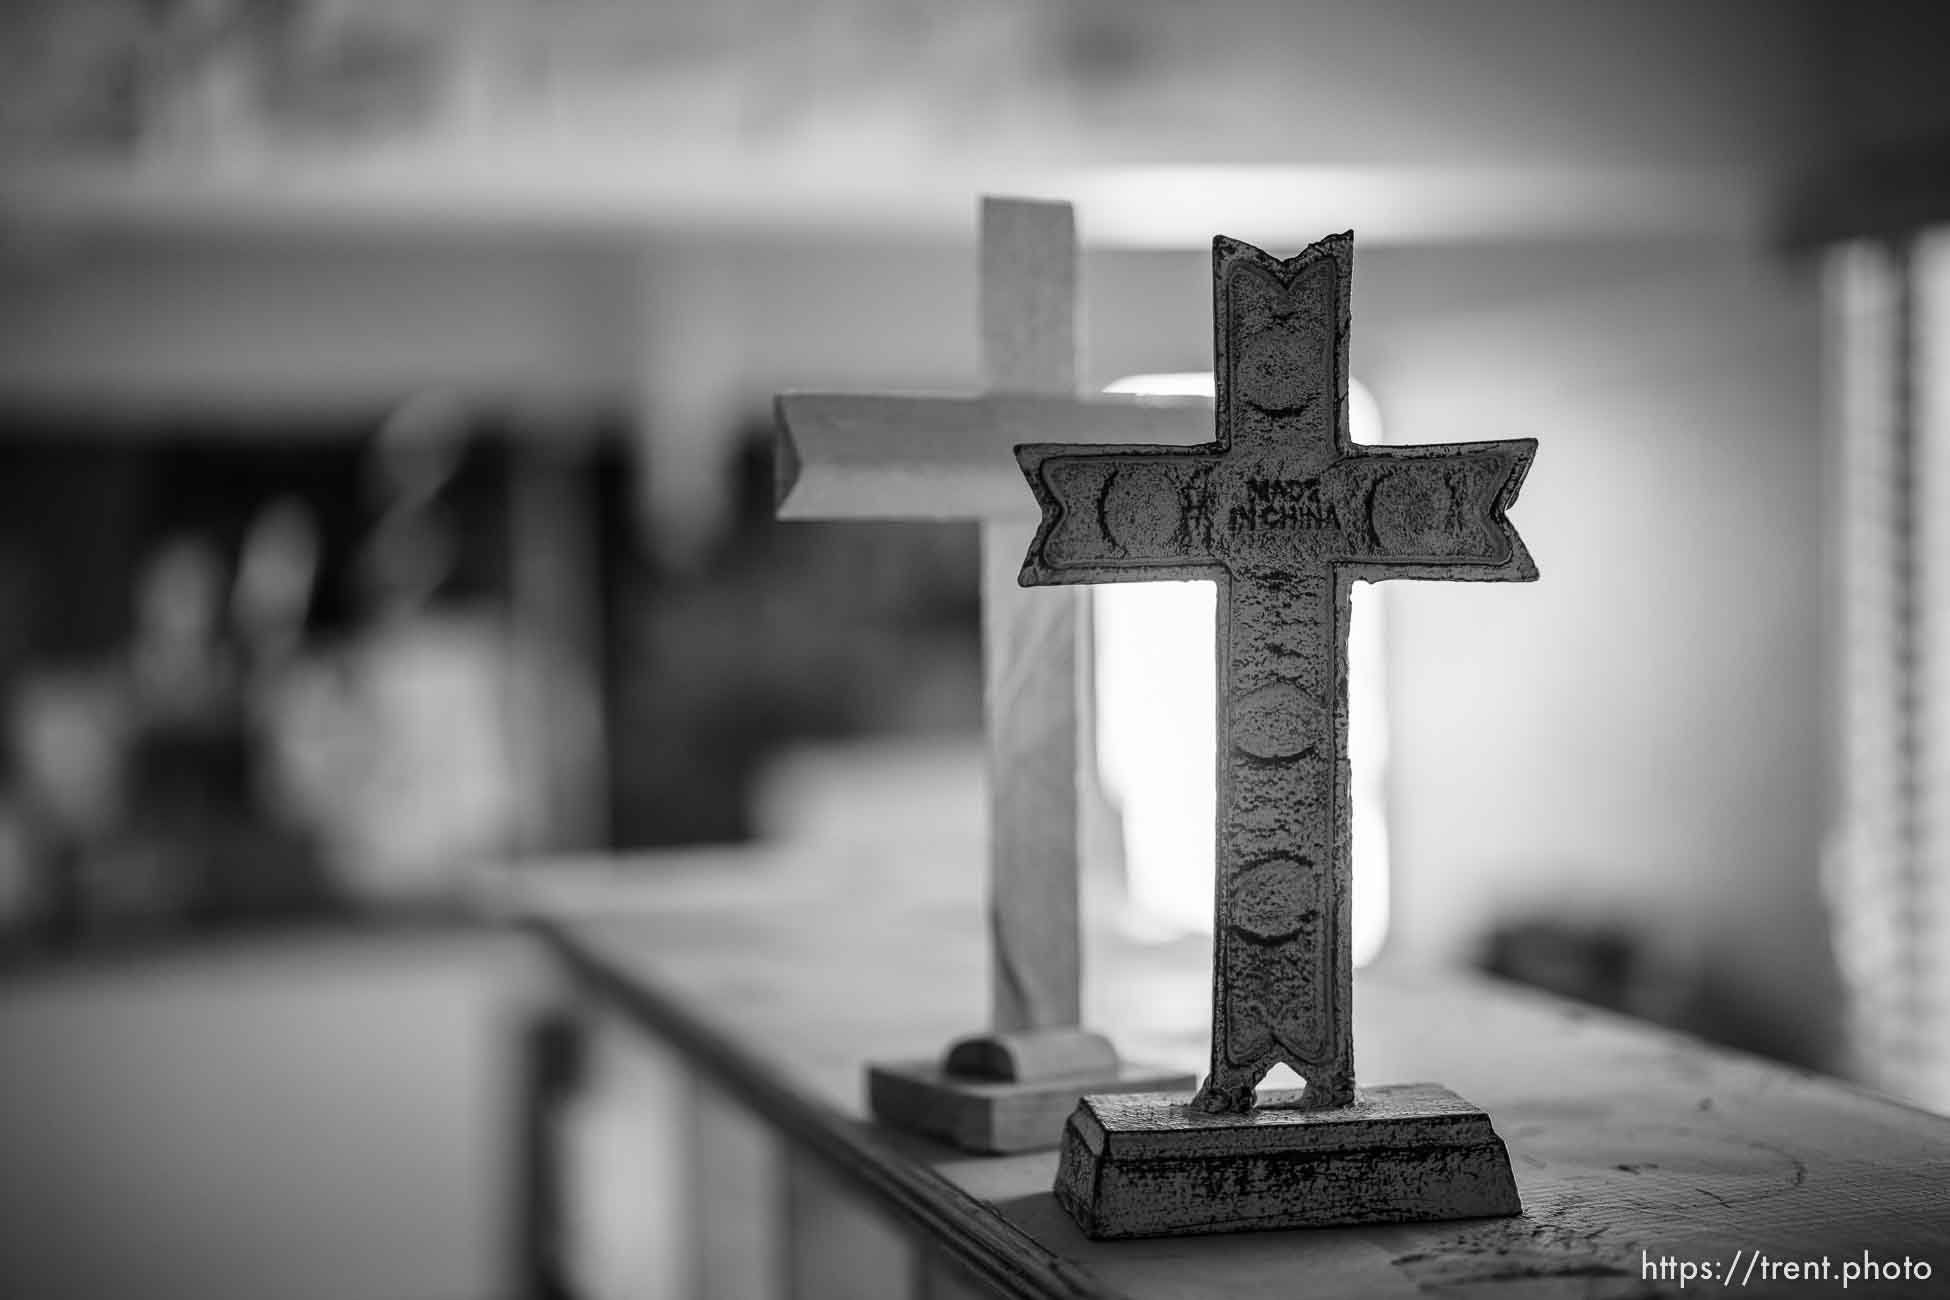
column 775, row 977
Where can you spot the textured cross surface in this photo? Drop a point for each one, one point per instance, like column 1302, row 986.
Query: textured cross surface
column 1284, row 512
column 899, row 456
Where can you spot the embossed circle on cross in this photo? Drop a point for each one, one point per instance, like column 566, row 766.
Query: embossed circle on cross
column 1280, row 371
column 1276, row 721
column 1420, row 514
column 1131, row 517
column 1277, row 898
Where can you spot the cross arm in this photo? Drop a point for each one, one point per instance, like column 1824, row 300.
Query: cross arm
column 1116, row 514
column 920, row 456
column 1144, row 513
column 1440, row 512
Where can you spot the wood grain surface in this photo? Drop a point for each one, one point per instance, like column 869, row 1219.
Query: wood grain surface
column 777, row 971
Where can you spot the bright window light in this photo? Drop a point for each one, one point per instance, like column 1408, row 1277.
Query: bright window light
column 1155, row 717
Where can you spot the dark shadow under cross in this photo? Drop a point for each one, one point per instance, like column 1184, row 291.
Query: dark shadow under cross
column 1284, row 512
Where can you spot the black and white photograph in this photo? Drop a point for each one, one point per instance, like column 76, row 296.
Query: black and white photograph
column 1030, row 649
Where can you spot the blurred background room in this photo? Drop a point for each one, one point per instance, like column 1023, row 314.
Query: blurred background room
column 386, row 458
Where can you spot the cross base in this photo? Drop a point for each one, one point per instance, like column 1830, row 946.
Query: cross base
column 1148, row 1165
column 1004, row 1093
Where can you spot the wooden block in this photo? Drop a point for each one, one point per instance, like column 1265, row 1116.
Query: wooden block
column 1150, row 1165
column 995, row 1116
column 1032, row 1054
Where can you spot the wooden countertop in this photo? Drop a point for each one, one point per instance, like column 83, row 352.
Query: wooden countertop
column 778, row 971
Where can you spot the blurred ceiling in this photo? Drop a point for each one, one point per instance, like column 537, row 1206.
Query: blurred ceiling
column 1414, row 120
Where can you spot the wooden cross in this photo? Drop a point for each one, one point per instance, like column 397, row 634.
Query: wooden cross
column 1284, row 511
column 922, row 457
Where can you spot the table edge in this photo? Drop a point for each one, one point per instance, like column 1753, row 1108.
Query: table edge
column 970, row 1231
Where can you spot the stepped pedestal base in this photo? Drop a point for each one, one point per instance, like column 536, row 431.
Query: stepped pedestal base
column 1148, row 1165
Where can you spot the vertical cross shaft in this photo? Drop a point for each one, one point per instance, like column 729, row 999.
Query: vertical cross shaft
column 1282, row 953
column 1284, row 512
column 1034, row 675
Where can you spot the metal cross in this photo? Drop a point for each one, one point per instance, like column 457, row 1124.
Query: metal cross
column 1284, row 512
